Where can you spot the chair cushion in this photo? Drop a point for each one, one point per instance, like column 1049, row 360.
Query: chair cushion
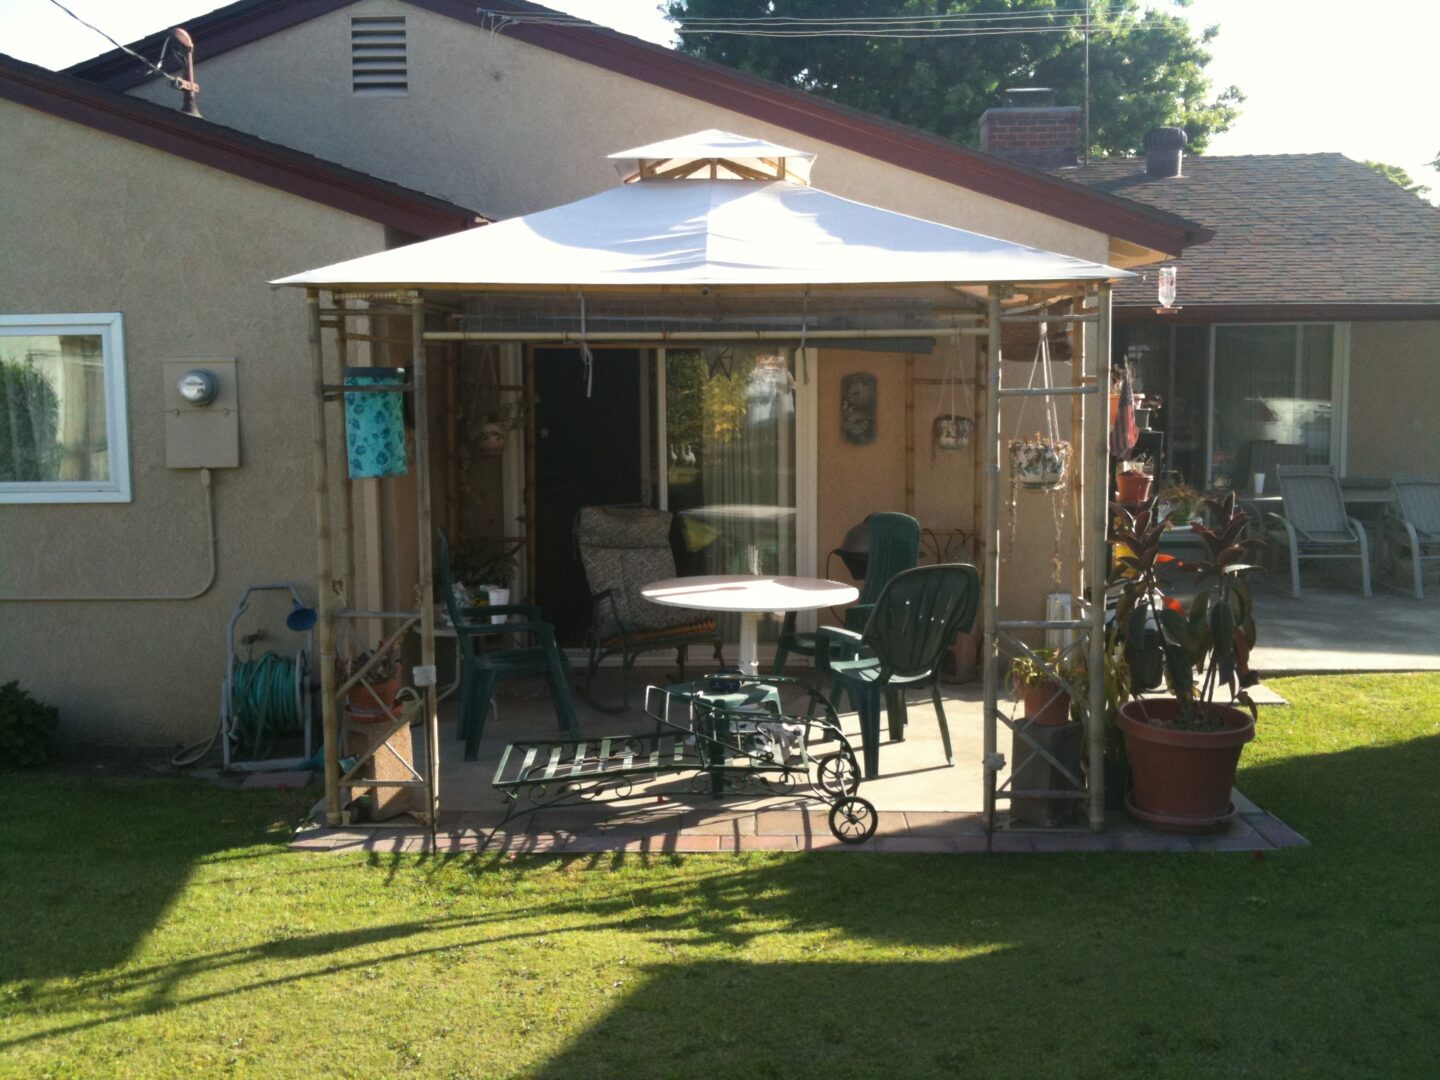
column 659, row 637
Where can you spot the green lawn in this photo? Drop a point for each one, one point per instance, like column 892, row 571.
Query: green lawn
column 162, row 929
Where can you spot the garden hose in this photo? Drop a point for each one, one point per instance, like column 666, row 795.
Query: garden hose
column 263, row 702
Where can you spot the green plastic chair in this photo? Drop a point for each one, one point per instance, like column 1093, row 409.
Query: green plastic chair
column 894, row 548
column 482, row 672
column 910, row 627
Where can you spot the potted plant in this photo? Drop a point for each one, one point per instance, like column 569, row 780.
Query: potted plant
column 485, row 569
column 495, row 426
column 1134, row 480
column 1184, row 747
column 1179, row 503
column 951, row 432
column 1047, row 684
column 1039, row 463
column 384, row 679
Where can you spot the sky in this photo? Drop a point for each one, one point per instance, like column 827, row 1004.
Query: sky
column 1319, row 75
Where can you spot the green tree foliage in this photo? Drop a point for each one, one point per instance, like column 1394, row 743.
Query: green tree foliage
column 1396, row 175
column 1147, row 69
column 29, row 425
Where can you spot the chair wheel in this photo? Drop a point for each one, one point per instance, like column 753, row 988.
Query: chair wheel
column 853, row 820
column 838, row 774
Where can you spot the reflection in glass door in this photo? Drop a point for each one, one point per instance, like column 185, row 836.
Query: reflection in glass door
column 728, row 452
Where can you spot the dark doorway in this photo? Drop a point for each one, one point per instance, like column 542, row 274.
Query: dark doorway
column 587, row 453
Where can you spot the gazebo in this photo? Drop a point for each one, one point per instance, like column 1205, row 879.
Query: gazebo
column 716, row 238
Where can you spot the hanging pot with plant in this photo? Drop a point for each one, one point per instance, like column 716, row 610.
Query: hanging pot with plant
column 951, row 432
column 494, row 429
column 1184, row 749
column 1039, row 463
column 952, row 429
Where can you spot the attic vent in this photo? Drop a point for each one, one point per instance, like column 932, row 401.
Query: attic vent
column 377, row 55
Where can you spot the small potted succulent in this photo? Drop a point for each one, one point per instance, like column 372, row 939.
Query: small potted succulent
column 1047, row 683
column 1134, row 480
column 1184, row 747
column 1039, row 463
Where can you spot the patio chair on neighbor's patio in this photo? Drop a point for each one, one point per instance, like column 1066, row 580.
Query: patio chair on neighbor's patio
column 481, row 672
column 894, row 546
column 1417, row 512
column 912, row 625
column 623, row 549
column 1316, row 525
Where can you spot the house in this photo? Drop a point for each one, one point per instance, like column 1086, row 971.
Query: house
column 511, row 119
column 1307, row 331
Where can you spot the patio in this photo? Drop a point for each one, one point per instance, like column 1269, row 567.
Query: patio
column 924, row 806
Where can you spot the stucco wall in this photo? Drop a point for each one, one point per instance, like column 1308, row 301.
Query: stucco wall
column 509, row 128
column 1394, row 398
column 96, row 223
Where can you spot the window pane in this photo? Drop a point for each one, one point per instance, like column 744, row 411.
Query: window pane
column 1187, row 412
column 52, row 408
column 730, row 430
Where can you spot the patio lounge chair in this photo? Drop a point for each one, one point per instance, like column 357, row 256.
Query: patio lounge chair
column 481, row 672
column 623, row 549
column 894, row 546
column 1417, row 510
column 912, row 625
column 1316, row 525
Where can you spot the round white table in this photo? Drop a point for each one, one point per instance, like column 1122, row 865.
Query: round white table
column 751, row 595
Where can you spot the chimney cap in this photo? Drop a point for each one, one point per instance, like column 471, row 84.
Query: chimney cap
column 1029, row 97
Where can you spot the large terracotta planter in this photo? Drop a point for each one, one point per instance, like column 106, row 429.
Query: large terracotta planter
column 1182, row 779
column 1047, row 703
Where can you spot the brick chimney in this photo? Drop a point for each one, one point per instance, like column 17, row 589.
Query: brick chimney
column 1030, row 129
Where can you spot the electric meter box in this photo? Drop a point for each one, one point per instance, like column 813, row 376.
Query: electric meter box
column 202, row 434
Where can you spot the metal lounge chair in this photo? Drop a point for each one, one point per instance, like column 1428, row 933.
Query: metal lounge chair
column 1315, row 523
column 623, row 549
column 912, row 624
column 482, row 672
column 894, row 547
column 1417, row 511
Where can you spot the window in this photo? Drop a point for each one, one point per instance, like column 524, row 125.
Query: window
column 378, row 61
column 62, row 409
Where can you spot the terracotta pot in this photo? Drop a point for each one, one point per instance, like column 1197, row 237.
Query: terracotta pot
column 1133, row 487
column 1047, row 703
column 359, row 699
column 1182, row 779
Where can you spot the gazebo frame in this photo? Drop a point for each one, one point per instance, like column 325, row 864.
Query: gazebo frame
column 1005, row 303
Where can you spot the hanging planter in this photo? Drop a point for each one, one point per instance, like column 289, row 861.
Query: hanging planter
column 951, row 432
column 494, row 431
column 1039, row 463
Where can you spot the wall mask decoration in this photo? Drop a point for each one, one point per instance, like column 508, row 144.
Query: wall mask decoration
column 858, row 395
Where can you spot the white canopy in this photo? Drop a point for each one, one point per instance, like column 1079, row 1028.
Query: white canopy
column 733, row 155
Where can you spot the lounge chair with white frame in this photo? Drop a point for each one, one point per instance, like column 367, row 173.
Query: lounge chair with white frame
column 1417, row 509
column 1316, row 525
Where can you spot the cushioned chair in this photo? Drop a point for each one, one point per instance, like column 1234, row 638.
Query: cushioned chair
column 623, row 549
column 1417, row 513
column 894, row 547
column 1315, row 523
column 481, row 672
column 911, row 626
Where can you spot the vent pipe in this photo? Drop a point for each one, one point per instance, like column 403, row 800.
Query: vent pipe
column 185, row 82
column 1163, row 150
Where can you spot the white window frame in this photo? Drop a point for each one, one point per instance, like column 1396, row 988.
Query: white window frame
column 109, row 326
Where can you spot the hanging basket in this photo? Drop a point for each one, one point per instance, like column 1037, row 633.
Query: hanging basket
column 951, row 432
column 1039, row 464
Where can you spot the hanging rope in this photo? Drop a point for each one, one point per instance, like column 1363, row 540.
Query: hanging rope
column 586, row 356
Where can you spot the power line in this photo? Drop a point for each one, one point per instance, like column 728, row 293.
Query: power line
column 175, row 80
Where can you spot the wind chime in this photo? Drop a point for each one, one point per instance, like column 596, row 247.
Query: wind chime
column 1040, row 462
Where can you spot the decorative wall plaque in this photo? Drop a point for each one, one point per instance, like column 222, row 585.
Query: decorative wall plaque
column 857, row 408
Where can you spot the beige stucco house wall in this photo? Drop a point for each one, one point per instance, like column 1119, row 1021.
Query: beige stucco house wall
column 97, row 223
column 1394, row 398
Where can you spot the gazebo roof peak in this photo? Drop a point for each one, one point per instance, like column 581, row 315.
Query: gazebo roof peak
column 713, row 154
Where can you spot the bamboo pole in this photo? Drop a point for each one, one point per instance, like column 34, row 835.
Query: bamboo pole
column 424, row 559
column 981, row 382
column 990, row 534
column 347, row 494
column 324, row 579
column 909, row 434
column 452, row 444
column 1080, row 473
column 1098, row 513
column 550, row 337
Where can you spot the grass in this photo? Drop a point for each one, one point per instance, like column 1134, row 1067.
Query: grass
column 162, row 929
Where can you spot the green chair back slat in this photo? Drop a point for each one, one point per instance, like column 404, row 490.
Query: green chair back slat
column 894, row 548
column 917, row 616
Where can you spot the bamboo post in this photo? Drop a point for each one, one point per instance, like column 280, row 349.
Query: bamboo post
column 1098, row 475
column 1079, row 475
column 990, row 538
column 910, row 433
column 347, row 494
column 421, row 381
column 324, row 578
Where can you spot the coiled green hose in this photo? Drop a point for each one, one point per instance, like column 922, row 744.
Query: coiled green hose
column 263, row 702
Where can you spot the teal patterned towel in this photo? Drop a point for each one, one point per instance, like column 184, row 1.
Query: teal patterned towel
column 375, row 425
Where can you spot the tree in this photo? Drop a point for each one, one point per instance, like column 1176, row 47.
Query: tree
column 1146, row 67
column 1396, row 175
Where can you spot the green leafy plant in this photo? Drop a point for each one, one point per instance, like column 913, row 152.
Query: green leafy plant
column 1178, row 502
column 484, row 562
column 1211, row 639
column 27, row 728
column 1046, row 665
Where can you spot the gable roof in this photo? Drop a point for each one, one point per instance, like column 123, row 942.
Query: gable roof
column 231, row 151
column 246, row 21
column 1297, row 235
